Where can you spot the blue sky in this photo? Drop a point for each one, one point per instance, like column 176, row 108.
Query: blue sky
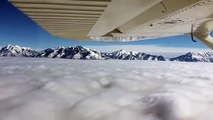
column 16, row 28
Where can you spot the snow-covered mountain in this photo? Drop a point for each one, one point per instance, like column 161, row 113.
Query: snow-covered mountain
column 79, row 52
column 15, row 51
column 124, row 55
column 195, row 57
column 76, row 52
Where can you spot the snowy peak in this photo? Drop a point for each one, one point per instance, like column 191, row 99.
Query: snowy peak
column 123, row 55
column 195, row 57
column 122, row 51
column 75, row 52
column 16, row 50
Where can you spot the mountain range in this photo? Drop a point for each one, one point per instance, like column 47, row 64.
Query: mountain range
column 82, row 53
column 195, row 57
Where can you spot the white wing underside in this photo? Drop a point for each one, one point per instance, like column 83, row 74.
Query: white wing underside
column 120, row 20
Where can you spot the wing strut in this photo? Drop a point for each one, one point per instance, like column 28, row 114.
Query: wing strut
column 192, row 34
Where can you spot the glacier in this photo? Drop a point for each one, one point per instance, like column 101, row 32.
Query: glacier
column 62, row 89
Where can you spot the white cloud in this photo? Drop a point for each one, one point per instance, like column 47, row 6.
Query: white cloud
column 58, row 89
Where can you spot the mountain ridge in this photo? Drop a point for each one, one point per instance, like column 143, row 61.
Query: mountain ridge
column 194, row 57
column 83, row 53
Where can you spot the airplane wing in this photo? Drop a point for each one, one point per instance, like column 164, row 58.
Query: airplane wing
column 121, row 20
